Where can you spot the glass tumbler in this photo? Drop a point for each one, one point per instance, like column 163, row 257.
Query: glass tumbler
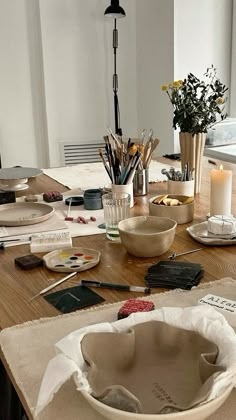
column 116, row 207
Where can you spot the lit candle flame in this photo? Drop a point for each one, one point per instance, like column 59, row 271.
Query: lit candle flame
column 221, row 167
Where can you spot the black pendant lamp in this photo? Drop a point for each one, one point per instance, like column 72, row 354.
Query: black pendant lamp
column 115, row 11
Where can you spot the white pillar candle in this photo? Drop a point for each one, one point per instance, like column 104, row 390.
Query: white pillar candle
column 221, row 191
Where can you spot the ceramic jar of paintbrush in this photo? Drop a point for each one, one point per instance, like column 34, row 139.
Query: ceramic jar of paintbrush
column 181, row 187
column 124, row 188
column 178, row 182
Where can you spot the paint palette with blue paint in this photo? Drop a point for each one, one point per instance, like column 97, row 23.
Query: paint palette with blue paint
column 72, row 259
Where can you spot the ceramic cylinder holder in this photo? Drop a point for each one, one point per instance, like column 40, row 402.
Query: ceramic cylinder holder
column 181, row 187
column 124, row 188
column 93, row 199
column 140, row 182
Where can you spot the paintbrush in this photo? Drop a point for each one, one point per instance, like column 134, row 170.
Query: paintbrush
column 109, row 157
column 130, row 177
column 116, row 139
column 104, row 163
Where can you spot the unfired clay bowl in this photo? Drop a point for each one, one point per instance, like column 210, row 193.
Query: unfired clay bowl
column 198, row 413
column 147, row 236
column 181, row 214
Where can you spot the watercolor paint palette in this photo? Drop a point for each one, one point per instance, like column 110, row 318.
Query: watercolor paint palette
column 71, row 259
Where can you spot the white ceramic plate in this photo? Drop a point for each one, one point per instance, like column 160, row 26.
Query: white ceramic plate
column 19, row 172
column 200, row 233
column 72, row 259
column 22, row 214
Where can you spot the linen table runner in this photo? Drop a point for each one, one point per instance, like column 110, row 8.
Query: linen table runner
column 27, row 348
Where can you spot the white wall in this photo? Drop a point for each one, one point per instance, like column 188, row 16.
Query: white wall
column 233, row 66
column 57, row 67
column 155, row 66
column 20, row 104
column 78, row 68
column 202, row 38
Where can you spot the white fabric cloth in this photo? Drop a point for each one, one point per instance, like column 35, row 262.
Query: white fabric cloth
column 87, row 175
column 75, row 229
column 206, row 320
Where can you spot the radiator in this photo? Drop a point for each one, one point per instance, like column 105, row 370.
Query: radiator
column 74, row 153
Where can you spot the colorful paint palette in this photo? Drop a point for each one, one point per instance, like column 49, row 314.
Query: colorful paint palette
column 72, row 259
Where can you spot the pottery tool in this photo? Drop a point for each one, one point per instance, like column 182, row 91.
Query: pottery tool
column 68, row 218
column 174, row 255
column 53, row 285
column 12, row 242
column 154, row 145
column 114, row 286
column 176, row 175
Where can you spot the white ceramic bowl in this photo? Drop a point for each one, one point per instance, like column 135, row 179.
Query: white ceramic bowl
column 181, row 214
column 147, row 236
column 198, row 413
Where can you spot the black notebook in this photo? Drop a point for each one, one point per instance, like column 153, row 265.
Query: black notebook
column 174, row 274
column 73, row 298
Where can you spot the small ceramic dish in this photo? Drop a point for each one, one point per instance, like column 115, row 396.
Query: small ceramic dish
column 181, row 213
column 200, row 233
column 71, row 259
column 74, row 201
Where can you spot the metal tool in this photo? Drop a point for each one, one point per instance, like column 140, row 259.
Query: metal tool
column 164, row 172
column 54, row 285
column 174, row 255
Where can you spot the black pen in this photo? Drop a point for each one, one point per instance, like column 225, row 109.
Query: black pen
column 115, row 286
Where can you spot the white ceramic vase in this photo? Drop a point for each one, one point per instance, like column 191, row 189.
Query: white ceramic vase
column 191, row 149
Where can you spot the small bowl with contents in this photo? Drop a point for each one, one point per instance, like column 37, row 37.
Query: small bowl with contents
column 93, row 199
column 147, row 236
column 177, row 207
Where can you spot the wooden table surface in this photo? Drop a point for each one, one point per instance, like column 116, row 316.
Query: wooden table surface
column 18, row 286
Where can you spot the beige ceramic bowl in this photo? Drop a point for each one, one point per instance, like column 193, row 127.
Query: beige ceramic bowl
column 181, row 214
column 198, row 413
column 147, row 236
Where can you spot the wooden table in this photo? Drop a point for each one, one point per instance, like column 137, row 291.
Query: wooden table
column 18, row 286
